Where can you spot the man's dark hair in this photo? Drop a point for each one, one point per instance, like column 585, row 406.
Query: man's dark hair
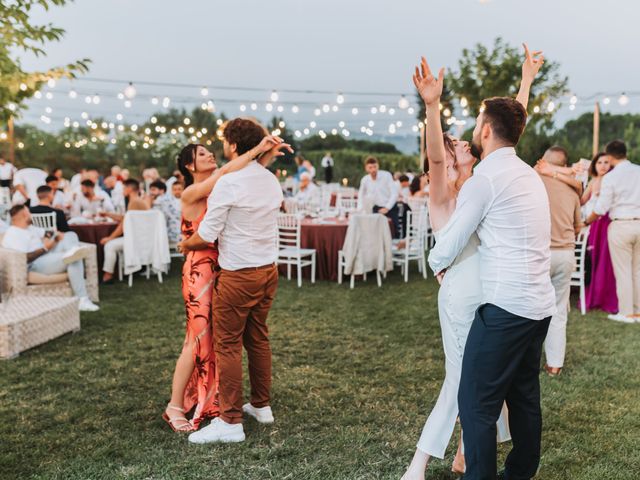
column 616, row 149
column 88, row 183
column 159, row 184
column 370, row 160
column 133, row 183
column 244, row 133
column 562, row 150
column 43, row 191
column 507, row 118
column 16, row 209
column 51, row 178
column 403, row 178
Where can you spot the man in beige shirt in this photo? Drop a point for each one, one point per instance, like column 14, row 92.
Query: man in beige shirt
column 566, row 222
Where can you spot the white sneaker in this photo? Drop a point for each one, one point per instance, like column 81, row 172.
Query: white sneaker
column 618, row 317
column 219, row 431
column 74, row 254
column 262, row 415
column 87, row 305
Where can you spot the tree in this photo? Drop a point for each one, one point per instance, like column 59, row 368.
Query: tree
column 18, row 34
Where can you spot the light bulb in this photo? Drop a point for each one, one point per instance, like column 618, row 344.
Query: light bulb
column 274, row 96
column 573, row 100
column 606, row 100
column 204, row 91
column 130, row 91
column 51, row 83
column 340, row 99
column 464, row 102
column 354, row 111
column 155, row 101
column 623, row 100
column 403, row 103
column 295, row 109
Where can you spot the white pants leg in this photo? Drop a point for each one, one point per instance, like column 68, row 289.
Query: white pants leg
column 111, row 250
column 52, row 262
column 562, row 266
column 624, row 237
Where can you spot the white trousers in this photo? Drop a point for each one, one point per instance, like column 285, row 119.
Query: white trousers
column 111, row 250
column 562, row 265
column 52, row 262
column 624, row 246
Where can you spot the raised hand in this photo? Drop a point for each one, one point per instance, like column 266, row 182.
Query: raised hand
column 269, row 142
column 533, row 61
column 428, row 86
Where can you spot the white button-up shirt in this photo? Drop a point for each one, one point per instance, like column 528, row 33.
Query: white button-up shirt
column 382, row 192
column 242, row 214
column 620, row 192
column 506, row 203
column 101, row 202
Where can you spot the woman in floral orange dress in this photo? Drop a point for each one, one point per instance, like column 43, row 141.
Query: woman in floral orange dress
column 195, row 380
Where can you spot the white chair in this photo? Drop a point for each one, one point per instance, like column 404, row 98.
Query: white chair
column 367, row 247
column 418, row 204
column 578, row 275
column 347, row 204
column 46, row 221
column 5, row 196
column 412, row 246
column 291, row 205
column 146, row 244
column 289, row 250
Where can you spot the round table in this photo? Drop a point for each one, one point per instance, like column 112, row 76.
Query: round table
column 326, row 237
column 93, row 233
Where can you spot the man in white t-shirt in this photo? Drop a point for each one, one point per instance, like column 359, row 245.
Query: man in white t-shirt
column 7, row 171
column 49, row 255
column 26, row 182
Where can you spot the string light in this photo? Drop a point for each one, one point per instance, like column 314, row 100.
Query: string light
column 295, row 109
column 274, row 96
column 204, row 91
column 51, row 83
column 38, row 94
column 623, row 100
column 354, row 111
column 464, row 102
column 130, row 91
column 606, row 100
column 403, row 103
column 340, row 99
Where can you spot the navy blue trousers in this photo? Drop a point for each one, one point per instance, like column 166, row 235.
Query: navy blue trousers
column 501, row 363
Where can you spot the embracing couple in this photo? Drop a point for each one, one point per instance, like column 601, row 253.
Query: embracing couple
column 492, row 256
column 229, row 281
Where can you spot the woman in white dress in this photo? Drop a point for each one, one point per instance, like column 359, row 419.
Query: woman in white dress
column 450, row 164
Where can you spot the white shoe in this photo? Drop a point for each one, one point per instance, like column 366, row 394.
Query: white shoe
column 219, row 431
column 87, row 305
column 618, row 317
column 74, row 254
column 262, row 415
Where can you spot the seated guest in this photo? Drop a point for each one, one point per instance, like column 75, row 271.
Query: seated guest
column 176, row 190
column 114, row 188
column 89, row 202
column 306, row 189
column 419, row 186
column 175, row 177
column 114, row 243
column 620, row 198
column 46, row 199
column 169, row 206
column 379, row 189
column 63, row 184
column 58, row 197
column 49, row 255
column 405, row 192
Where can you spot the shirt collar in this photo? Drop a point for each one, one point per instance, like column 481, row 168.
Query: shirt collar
column 494, row 156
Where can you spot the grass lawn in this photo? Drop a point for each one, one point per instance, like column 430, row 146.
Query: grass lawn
column 355, row 374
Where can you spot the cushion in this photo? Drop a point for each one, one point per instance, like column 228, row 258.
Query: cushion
column 35, row 278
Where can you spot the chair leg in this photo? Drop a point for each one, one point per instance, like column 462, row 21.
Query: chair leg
column 423, row 262
column 406, row 271
column 583, row 301
column 378, row 278
column 339, row 268
column 364, row 276
column 160, row 277
column 131, row 280
column 148, row 272
column 288, row 271
column 299, row 272
column 313, row 268
column 352, row 283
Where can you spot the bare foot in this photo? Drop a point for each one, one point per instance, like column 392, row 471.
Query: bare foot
column 458, row 463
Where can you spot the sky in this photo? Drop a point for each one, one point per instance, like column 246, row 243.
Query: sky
column 330, row 45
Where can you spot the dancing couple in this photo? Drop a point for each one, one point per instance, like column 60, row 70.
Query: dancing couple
column 229, row 281
column 492, row 257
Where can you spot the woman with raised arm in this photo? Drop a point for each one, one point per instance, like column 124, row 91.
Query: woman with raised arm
column 449, row 163
column 195, row 382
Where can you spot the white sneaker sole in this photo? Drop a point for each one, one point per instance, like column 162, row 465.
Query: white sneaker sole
column 224, row 439
column 79, row 254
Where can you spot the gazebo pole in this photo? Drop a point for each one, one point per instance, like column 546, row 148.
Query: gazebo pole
column 596, row 129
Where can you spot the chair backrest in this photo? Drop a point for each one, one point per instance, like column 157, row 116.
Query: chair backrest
column 5, row 196
column 415, row 229
column 349, row 204
column 291, row 205
column 347, row 192
column 46, row 221
column 145, row 240
column 580, row 252
column 417, row 203
column 288, row 231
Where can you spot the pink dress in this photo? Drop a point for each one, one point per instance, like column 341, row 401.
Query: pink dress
column 601, row 291
column 198, row 273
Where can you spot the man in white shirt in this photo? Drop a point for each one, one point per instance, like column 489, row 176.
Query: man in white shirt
column 307, row 189
column 49, row 255
column 7, row 171
column 169, row 206
column 506, row 203
column 89, row 201
column 242, row 213
column 327, row 164
column 378, row 188
column 620, row 198
column 58, row 197
column 26, row 182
